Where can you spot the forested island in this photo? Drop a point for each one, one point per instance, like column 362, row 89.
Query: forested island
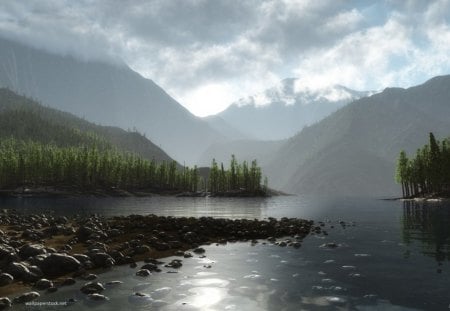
column 427, row 174
column 44, row 151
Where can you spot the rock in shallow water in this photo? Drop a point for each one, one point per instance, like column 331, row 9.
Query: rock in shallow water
column 92, row 288
column 26, row 297
column 5, row 303
column 143, row 272
column 97, row 297
column 43, row 284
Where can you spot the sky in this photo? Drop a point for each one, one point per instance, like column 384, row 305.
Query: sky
column 208, row 54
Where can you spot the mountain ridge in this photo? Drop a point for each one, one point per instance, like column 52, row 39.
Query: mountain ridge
column 378, row 126
column 105, row 94
column 283, row 110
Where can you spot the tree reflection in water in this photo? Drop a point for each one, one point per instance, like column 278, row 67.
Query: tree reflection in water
column 429, row 223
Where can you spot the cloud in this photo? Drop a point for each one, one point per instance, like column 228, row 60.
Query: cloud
column 208, row 54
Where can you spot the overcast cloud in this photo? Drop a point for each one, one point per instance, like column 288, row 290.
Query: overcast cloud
column 207, row 54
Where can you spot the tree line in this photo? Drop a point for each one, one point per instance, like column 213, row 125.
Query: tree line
column 33, row 164
column 426, row 173
column 238, row 177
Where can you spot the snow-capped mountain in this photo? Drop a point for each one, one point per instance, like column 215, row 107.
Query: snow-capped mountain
column 283, row 110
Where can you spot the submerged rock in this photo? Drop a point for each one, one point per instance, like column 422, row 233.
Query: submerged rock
column 92, row 288
column 97, row 297
column 143, row 272
column 43, row 284
column 26, row 297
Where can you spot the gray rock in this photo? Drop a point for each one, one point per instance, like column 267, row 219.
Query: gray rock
column 92, row 288
column 113, row 283
column 187, row 255
column 150, row 267
column 141, row 249
column 26, row 297
column 102, row 260
column 52, row 289
column 90, row 277
column 97, row 297
column 199, row 250
column 5, row 303
column 68, row 282
column 7, row 255
column 162, row 246
column 143, row 272
column 30, row 250
column 5, row 279
column 81, row 257
column 17, row 270
column 176, row 263
column 43, row 284
column 59, row 264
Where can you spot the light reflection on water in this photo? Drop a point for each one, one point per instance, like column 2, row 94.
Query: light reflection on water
column 394, row 258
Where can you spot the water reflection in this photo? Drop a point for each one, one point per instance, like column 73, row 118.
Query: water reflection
column 158, row 205
column 429, row 223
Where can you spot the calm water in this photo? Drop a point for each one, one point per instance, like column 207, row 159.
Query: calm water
column 394, row 257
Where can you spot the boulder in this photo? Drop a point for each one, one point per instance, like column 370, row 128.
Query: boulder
column 43, row 284
column 92, row 288
column 26, row 297
column 97, row 297
column 143, row 272
column 199, row 250
column 150, row 267
column 5, row 303
column 176, row 263
column 59, row 264
column 17, row 270
column 141, row 249
column 102, row 260
column 5, row 279
column 30, row 250
column 7, row 255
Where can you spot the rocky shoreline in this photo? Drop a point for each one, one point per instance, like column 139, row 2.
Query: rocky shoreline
column 41, row 252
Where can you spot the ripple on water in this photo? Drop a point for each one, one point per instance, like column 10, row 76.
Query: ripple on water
column 140, row 299
column 141, row 286
column 205, row 282
column 253, row 277
column 161, row 292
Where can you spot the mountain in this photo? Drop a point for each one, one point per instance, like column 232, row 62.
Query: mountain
column 354, row 150
column 282, row 111
column 106, row 94
column 224, row 128
column 26, row 119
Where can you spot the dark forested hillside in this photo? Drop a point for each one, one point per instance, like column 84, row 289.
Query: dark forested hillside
column 354, row 150
column 107, row 94
column 25, row 119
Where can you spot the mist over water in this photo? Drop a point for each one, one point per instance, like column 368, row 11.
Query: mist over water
column 390, row 255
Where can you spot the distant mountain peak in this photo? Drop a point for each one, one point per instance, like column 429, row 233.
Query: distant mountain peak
column 291, row 91
column 284, row 109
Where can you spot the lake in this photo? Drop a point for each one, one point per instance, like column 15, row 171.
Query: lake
column 391, row 255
